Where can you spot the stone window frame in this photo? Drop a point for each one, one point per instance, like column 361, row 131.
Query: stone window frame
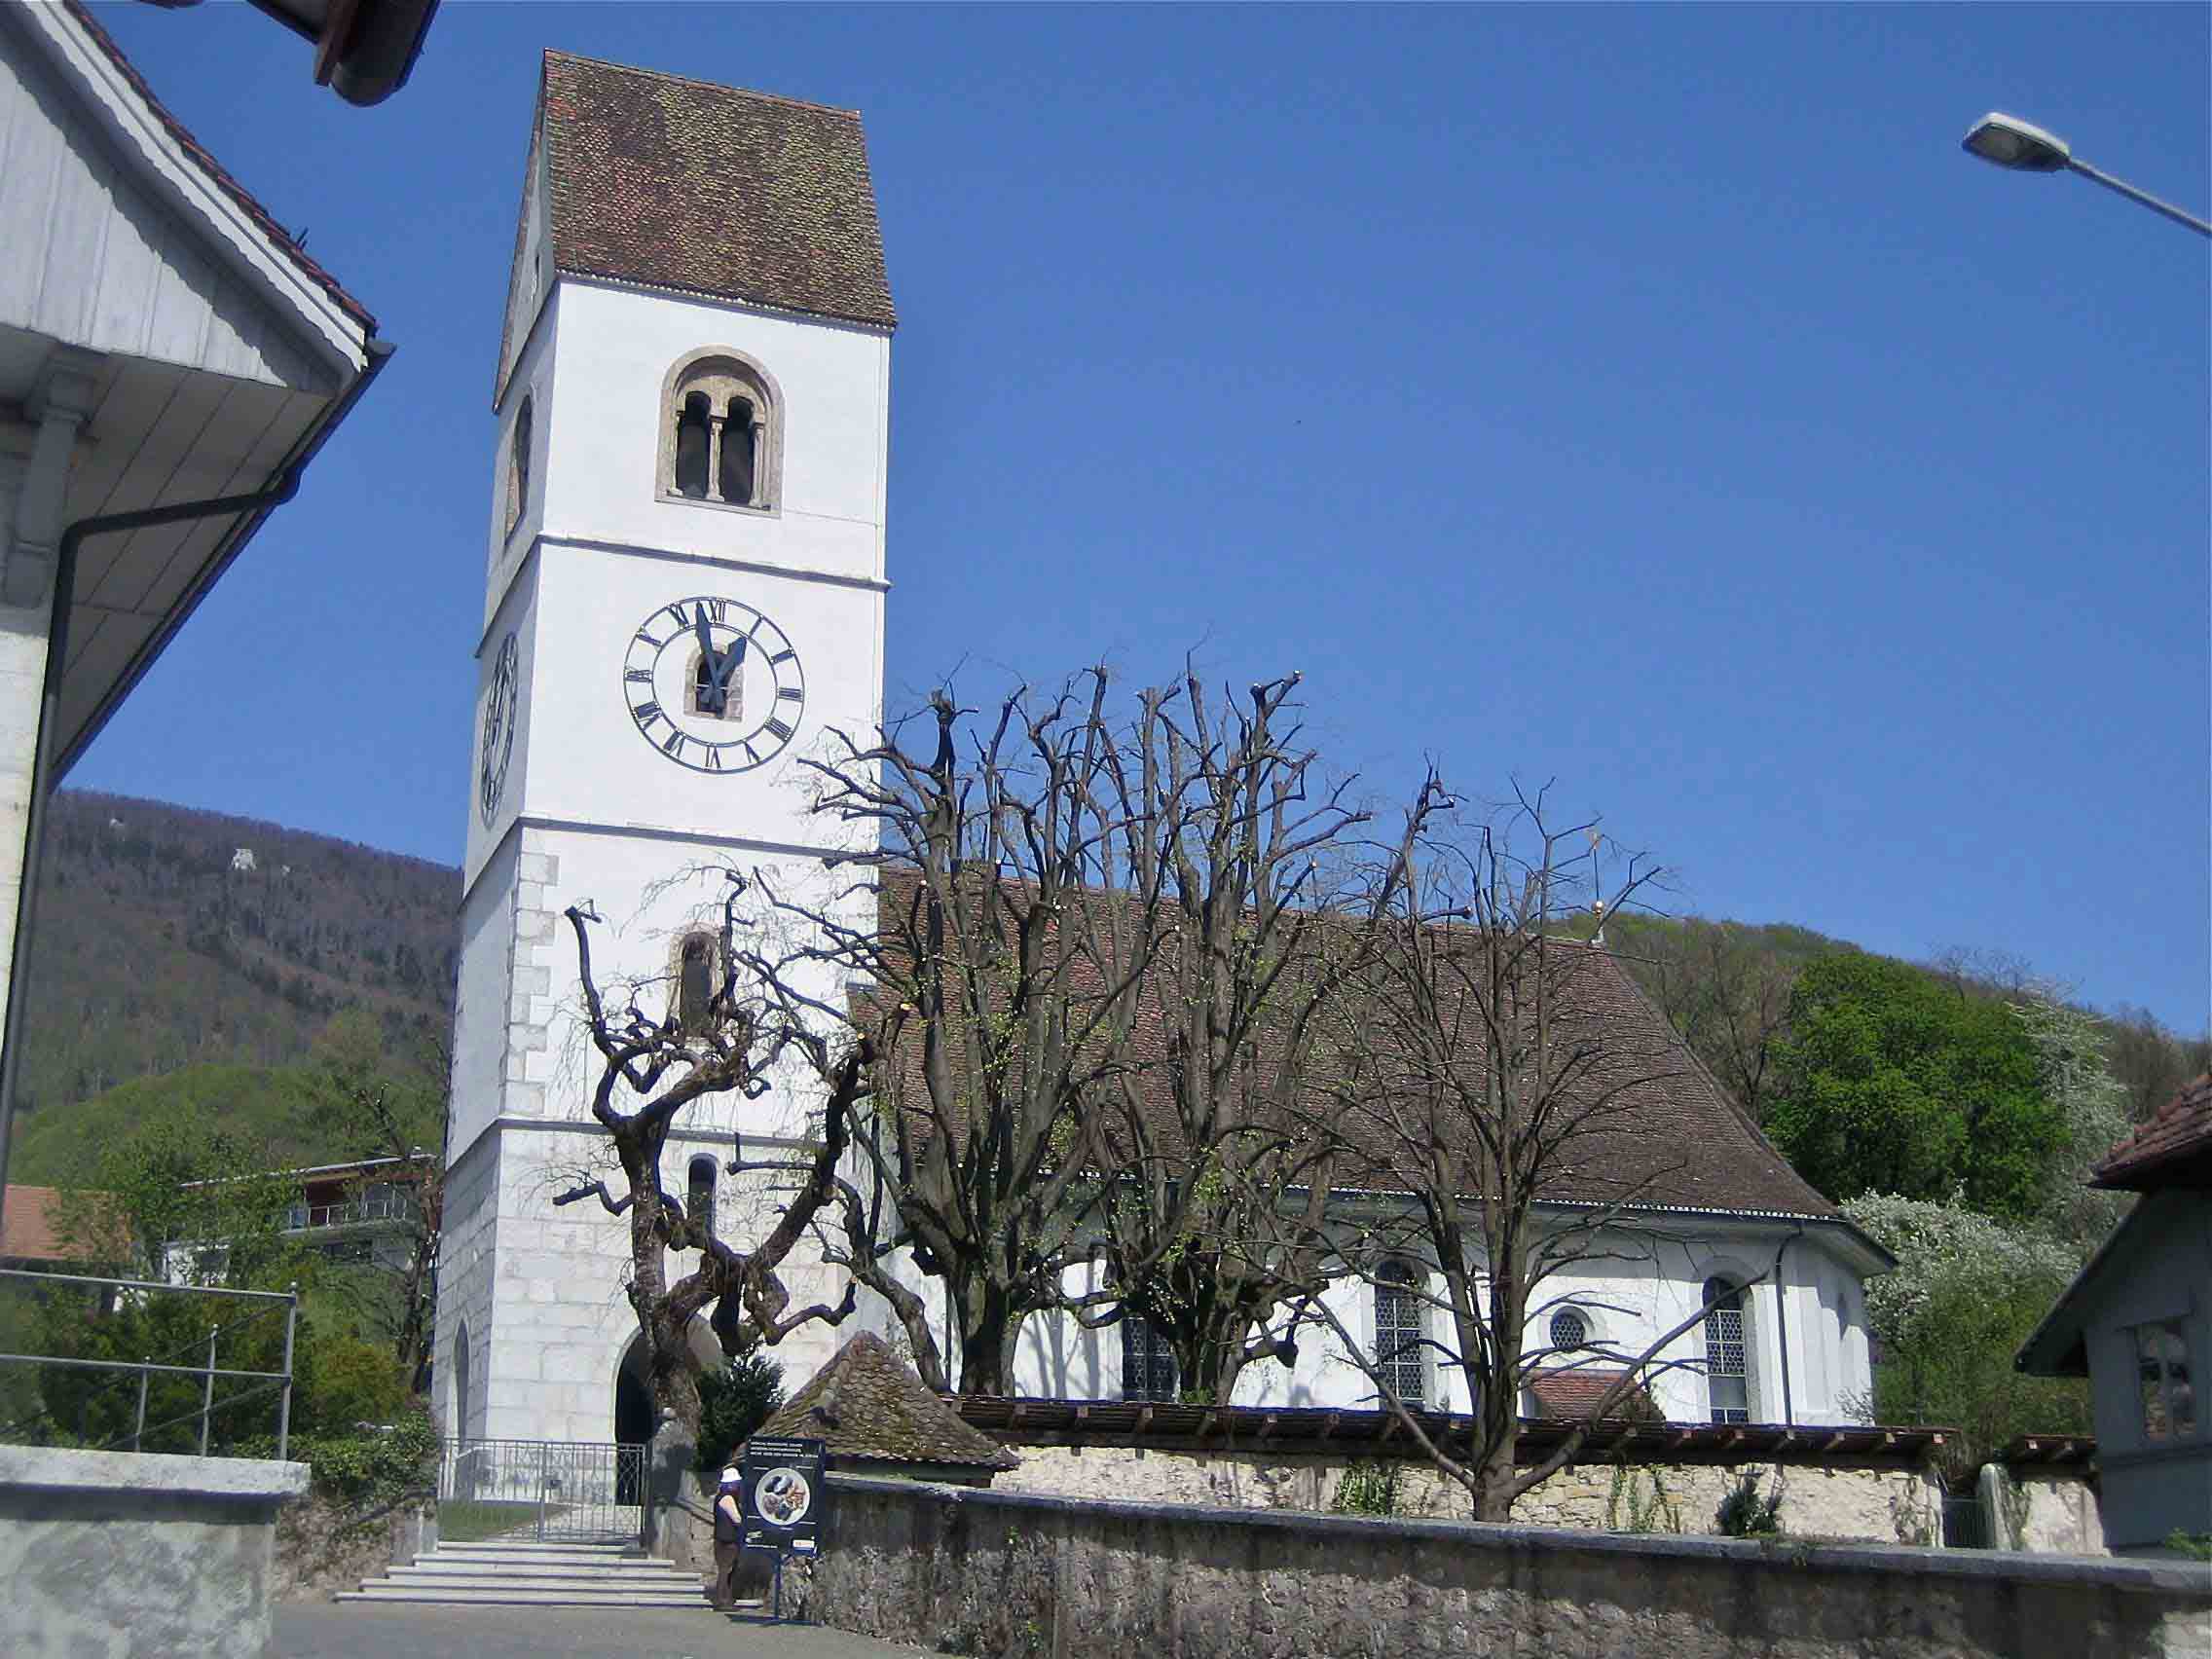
column 1586, row 1342
column 678, row 947
column 711, row 1167
column 521, row 437
column 722, row 372
column 1399, row 1288
column 1713, row 1331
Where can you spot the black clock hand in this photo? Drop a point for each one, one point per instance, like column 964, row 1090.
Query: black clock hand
column 711, row 696
column 730, row 659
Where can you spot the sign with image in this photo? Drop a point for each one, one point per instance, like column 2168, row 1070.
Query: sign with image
column 783, row 1494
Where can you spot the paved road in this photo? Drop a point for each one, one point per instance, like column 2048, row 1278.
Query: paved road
column 354, row 1630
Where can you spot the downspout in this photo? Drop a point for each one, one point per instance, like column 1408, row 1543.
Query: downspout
column 50, row 700
column 1781, row 1324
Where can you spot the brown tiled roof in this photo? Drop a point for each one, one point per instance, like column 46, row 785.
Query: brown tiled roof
column 1574, row 1394
column 278, row 238
column 30, row 1228
column 682, row 184
column 868, row 1405
column 2173, row 1148
column 1655, row 1128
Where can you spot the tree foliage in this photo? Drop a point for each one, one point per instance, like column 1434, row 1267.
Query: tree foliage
column 1893, row 1082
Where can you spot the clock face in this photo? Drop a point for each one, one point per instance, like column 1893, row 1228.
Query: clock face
column 714, row 684
column 499, row 745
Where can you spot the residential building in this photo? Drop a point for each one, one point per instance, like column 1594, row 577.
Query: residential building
column 2137, row 1322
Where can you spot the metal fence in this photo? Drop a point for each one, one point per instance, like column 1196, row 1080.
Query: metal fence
column 131, row 1380
column 550, row 1490
column 1965, row 1522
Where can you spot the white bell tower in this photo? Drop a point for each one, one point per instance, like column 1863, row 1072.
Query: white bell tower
column 684, row 596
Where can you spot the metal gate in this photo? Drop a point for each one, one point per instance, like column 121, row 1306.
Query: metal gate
column 541, row 1491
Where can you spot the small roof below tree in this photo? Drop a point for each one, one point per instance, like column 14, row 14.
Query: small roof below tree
column 868, row 1407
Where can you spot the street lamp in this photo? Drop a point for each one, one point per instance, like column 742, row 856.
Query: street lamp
column 2008, row 141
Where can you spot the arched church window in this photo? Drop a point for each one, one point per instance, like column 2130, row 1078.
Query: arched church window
column 719, row 438
column 694, row 979
column 1400, row 1330
column 518, row 467
column 1727, row 1352
column 699, row 1202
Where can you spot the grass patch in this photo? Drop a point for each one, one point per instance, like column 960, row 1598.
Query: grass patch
column 468, row 1522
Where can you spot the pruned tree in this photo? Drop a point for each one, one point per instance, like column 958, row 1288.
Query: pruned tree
column 1096, row 957
column 651, row 1068
column 1489, row 1091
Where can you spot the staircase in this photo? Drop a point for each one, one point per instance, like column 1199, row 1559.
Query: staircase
column 499, row 1573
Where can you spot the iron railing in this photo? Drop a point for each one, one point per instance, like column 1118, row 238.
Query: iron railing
column 545, row 1490
column 137, row 1374
column 309, row 1218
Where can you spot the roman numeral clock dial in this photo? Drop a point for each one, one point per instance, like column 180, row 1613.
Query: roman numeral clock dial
column 713, row 684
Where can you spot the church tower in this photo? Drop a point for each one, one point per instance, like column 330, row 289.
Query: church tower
column 684, row 596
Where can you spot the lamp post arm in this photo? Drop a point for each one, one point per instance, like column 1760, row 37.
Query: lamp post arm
column 2199, row 226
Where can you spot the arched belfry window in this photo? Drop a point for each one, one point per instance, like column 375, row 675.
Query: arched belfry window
column 1727, row 1350
column 518, row 469
column 699, row 1200
column 720, row 438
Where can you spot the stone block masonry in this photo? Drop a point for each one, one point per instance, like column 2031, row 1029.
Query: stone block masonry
column 1004, row 1574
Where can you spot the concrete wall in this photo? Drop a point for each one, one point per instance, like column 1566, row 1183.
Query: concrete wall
column 1004, row 1573
column 112, row 1553
column 1882, row 1505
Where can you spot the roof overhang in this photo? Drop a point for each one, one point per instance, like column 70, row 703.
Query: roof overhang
column 364, row 50
column 2058, row 1345
column 166, row 420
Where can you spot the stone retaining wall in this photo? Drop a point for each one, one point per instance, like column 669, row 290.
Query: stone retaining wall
column 111, row 1554
column 1021, row 1576
column 1884, row 1505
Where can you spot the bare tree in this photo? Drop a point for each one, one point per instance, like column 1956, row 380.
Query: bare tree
column 651, row 1068
column 1487, row 1081
column 1096, row 963
column 1727, row 991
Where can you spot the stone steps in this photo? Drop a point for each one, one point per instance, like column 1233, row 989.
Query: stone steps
column 515, row 1573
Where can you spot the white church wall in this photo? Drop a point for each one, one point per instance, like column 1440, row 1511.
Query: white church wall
column 23, row 677
column 604, row 422
column 507, row 545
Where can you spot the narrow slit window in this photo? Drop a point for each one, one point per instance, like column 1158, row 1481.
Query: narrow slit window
column 700, row 1199
column 695, row 981
column 740, row 437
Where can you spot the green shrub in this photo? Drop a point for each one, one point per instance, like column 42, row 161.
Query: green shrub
column 1368, row 1489
column 1747, row 1513
column 733, row 1403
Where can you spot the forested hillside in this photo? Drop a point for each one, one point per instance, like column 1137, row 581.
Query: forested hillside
column 172, row 940
column 207, row 953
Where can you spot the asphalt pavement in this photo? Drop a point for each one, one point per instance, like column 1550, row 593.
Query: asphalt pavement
column 355, row 1630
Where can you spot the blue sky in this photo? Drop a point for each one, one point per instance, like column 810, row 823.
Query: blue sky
column 1654, row 400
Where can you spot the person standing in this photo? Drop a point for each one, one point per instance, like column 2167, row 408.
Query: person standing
column 729, row 1530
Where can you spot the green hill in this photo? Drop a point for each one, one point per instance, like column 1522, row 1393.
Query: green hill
column 172, row 941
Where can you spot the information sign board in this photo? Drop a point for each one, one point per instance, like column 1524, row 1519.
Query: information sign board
column 783, row 1494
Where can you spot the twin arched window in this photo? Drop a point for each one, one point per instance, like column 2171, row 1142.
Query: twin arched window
column 720, row 438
